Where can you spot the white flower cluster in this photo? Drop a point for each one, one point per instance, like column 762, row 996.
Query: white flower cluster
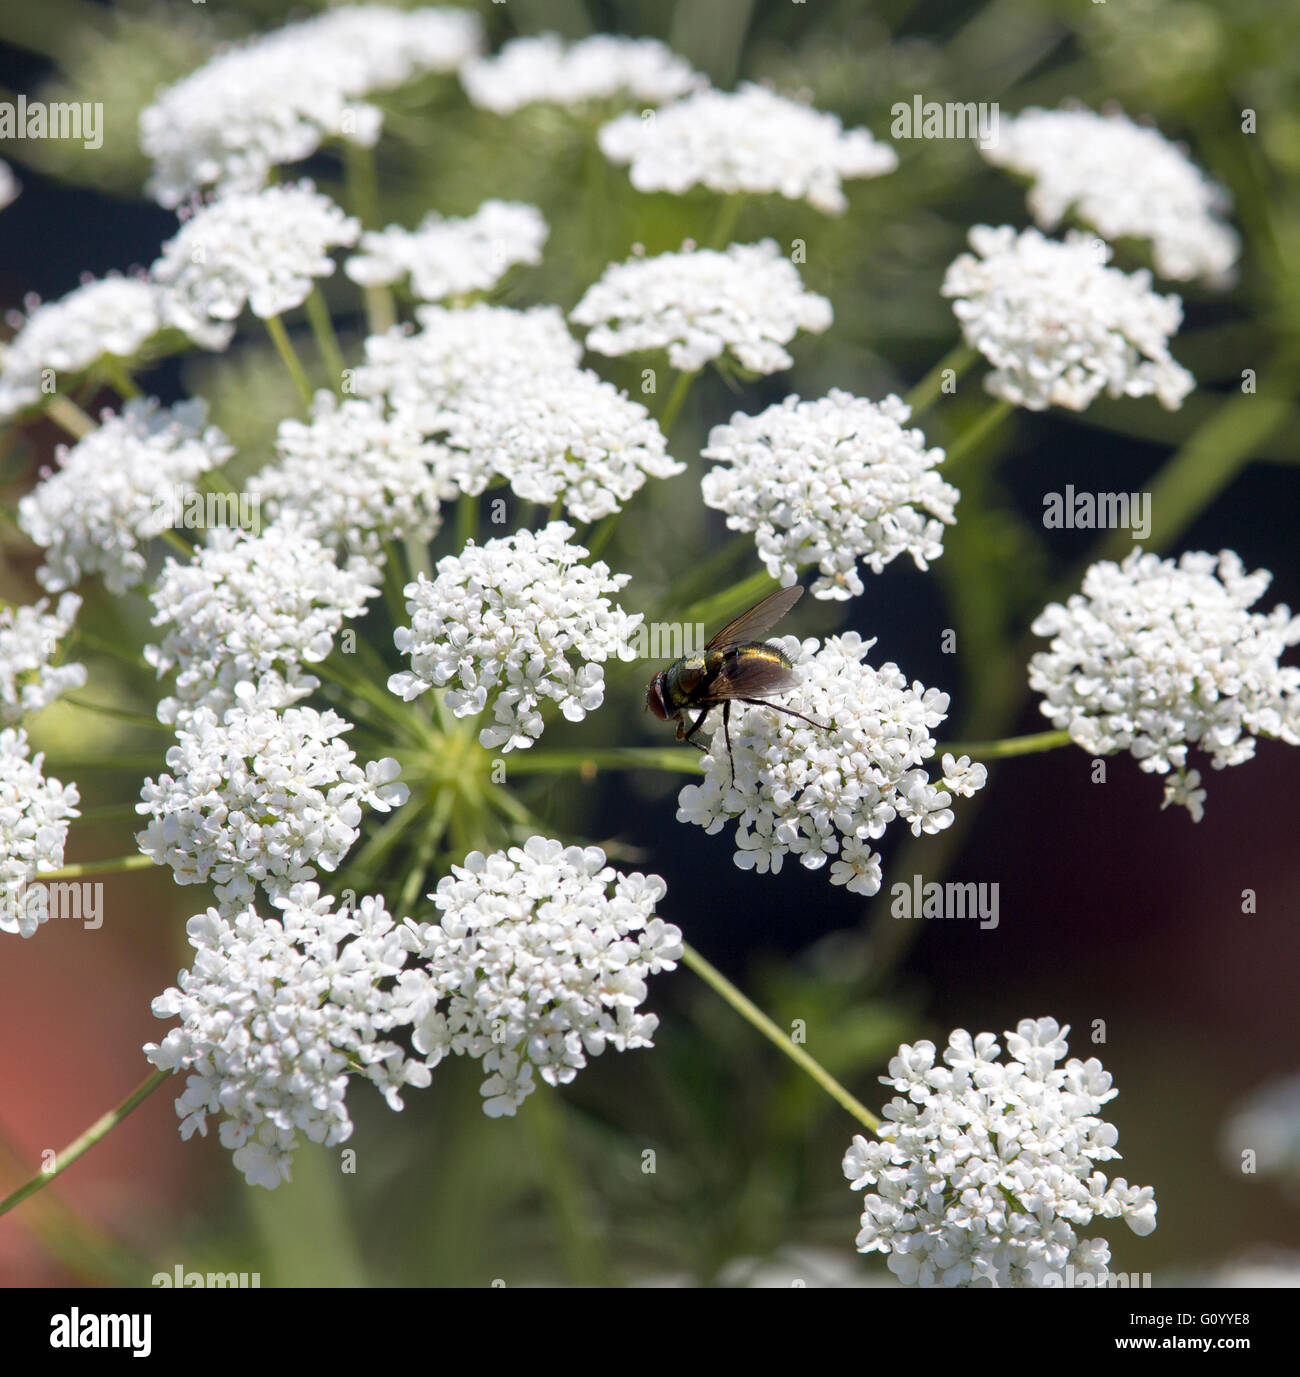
column 456, row 353
column 536, row 965
column 118, row 487
column 276, row 1014
column 274, row 99
column 451, row 257
column 1059, row 326
column 824, row 793
column 1125, row 180
column 542, row 69
column 828, row 482
column 259, row 797
column 29, row 639
column 568, row 436
column 252, row 610
column 1154, row 657
column 502, row 389
column 34, row 816
column 113, row 315
column 751, row 141
column 260, row 249
column 987, row 1168
column 510, row 624
column 354, row 476
column 697, row 303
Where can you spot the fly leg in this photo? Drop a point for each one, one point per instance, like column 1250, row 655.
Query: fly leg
column 688, row 735
column 789, row 712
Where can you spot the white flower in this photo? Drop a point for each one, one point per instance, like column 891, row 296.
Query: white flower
column 354, row 476
column 606, row 66
column 565, row 436
column 1125, row 180
column 456, row 352
column 10, row 186
column 1154, row 657
column 511, row 624
column 822, row 792
column 276, row 1014
column 752, row 141
column 34, row 816
column 117, row 488
column 987, row 1168
column 259, row 797
column 536, row 965
column 252, row 610
column 260, row 249
column 503, row 391
column 61, row 339
column 1059, row 326
column 698, row 303
column 451, row 257
column 29, row 639
column 275, row 98
column 829, row 482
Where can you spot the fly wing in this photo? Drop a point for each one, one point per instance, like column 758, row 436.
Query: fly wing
column 763, row 616
column 752, row 676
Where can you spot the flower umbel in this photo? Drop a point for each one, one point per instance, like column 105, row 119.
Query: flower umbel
column 825, row 793
column 510, row 625
column 1059, row 326
column 260, row 798
column 29, row 640
column 1125, row 179
column 118, row 488
column 697, row 304
column 539, row 960
column 830, row 482
column 1154, row 657
column 276, row 1014
column 989, row 1167
column 750, row 140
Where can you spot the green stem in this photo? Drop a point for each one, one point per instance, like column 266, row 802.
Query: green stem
column 564, row 1189
column 284, row 347
column 79, row 1146
column 1008, row 746
column 327, row 342
column 974, row 435
column 586, row 763
column 750, row 1011
column 930, row 388
column 466, row 519
column 600, row 534
column 681, row 386
column 425, row 851
column 70, row 416
column 134, row 718
column 178, row 543
column 725, row 225
column 120, row 377
column 730, row 601
column 70, row 872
